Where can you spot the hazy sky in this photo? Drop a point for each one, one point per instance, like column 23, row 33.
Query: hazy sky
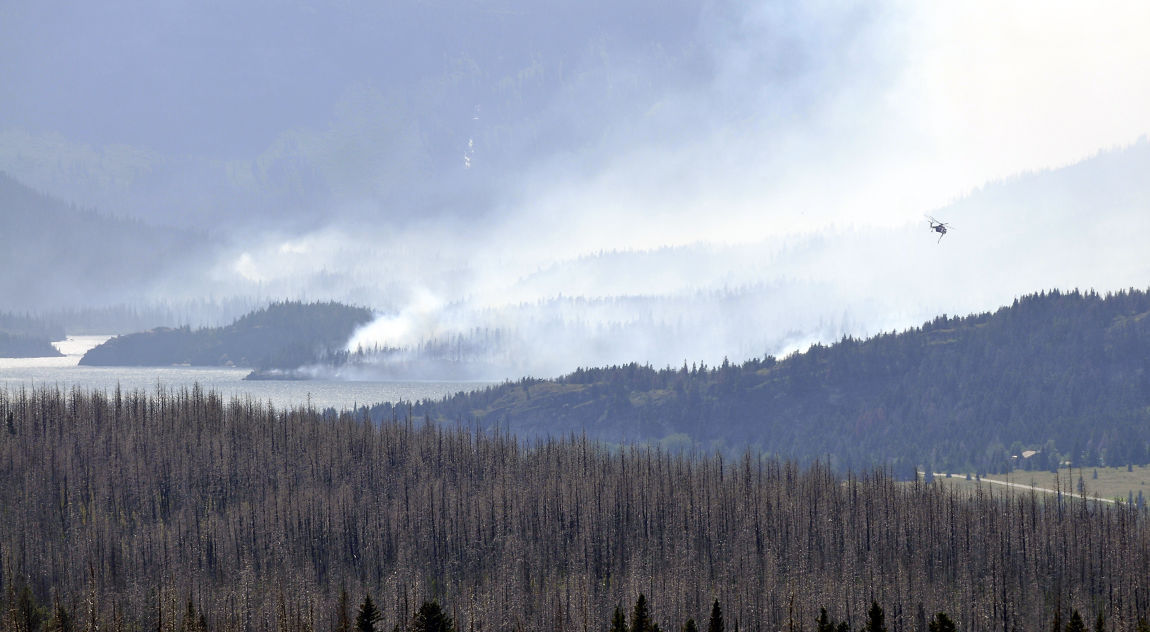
column 434, row 157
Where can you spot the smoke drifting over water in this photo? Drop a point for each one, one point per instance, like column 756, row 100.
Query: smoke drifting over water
column 1075, row 227
column 524, row 191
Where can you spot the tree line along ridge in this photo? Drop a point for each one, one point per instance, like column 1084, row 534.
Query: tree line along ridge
column 1063, row 374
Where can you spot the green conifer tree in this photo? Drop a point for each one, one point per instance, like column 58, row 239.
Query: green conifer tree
column 618, row 620
column 690, row 626
column 940, row 623
column 876, row 620
column 368, row 615
column 1075, row 624
column 28, row 612
column 432, row 618
column 716, row 622
column 823, row 623
column 641, row 616
column 61, row 620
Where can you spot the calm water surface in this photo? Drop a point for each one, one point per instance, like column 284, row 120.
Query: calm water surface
column 65, row 373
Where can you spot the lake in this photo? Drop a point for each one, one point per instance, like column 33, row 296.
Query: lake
column 65, row 373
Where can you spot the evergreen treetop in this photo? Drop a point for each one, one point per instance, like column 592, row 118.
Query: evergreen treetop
column 1075, row 624
column 876, row 620
column 618, row 620
column 823, row 623
column 716, row 622
column 368, row 616
column 941, row 623
column 432, row 618
column 641, row 616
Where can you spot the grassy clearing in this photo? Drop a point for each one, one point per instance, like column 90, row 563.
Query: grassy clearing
column 1113, row 483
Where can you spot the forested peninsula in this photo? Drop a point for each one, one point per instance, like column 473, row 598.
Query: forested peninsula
column 283, row 335
column 1063, row 374
column 28, row 337
column 180, row 510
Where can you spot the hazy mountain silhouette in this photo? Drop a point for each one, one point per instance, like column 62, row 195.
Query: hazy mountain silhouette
column 54, row 254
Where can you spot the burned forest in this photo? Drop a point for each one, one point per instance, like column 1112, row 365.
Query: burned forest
column 131, row 510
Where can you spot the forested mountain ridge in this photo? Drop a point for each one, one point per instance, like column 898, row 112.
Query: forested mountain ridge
column 1065, row 373
column 27, row 336
column 280, row 336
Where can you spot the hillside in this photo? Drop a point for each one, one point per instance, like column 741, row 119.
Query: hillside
column 13, row 346
column 130, row 511
column 28, row 337
column 280, row 336
column 54, row 254
column 1067, row 374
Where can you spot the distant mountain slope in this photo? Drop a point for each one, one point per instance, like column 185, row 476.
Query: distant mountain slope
column 14, row 346
column 280, row 336
column 28, row 337
column 54, row 255
column 1064, row 373
column 386, row 114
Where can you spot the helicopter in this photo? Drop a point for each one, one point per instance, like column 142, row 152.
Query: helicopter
column 938, row 227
